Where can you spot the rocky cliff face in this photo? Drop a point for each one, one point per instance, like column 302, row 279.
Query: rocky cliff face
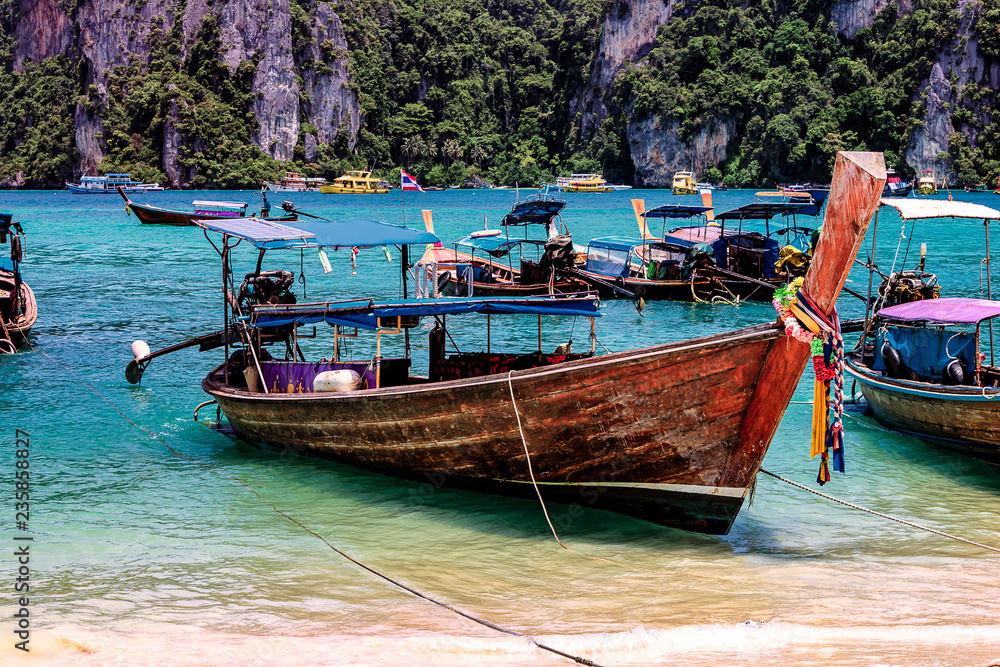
column 111, row 33
column 332, row 103
column 953, row 70
column 630, row 30
column 628, row 34
column 658, row 151
column 853, row 15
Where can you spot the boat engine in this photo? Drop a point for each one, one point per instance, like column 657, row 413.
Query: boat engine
column 266, row 287
column 906, row 286
column 559, row 254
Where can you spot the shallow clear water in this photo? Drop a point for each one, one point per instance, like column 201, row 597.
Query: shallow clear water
column 141, row 556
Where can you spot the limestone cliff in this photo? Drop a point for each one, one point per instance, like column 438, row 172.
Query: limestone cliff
column 104, row 34
column 628, row 33
column 630, row 30
column 658, row 151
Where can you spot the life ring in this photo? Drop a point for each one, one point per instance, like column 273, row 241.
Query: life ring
column 443, row 279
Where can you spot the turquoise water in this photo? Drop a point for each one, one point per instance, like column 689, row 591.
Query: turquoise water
column 141, row 556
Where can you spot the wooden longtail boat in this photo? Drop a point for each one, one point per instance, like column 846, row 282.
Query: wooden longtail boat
column 702, row 262
column 673, row 433
column 918, row 363
column 156, row 215
column 455, row 272
column 18, row 310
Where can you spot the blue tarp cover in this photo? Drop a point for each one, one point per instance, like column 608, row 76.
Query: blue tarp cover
column 927, row 351
column 364, row 313
column 535, row 211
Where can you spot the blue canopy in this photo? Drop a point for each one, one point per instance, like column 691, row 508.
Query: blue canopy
column 764, row 210
column 268, row 235
column 365, row 313
column 623, row 243
column 497, row 246
column 676, row 211
column 537, row 210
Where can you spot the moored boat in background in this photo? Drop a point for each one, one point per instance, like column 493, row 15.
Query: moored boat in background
column 919, row 364
column 594, row 183
column 156, row 215
column 684, row 184
column 18, row 310
column 672, row 433
column 109, row 184
column 926, row 184
column 894, row 187
column 461, row 272
column 295, row 182
column 355, row 183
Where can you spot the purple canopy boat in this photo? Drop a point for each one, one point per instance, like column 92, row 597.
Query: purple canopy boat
column 924, row 367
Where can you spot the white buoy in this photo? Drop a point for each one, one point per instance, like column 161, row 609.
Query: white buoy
column 139, row 349
column 344, row 379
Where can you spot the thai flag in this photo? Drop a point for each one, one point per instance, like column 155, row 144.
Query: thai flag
column 408, row 182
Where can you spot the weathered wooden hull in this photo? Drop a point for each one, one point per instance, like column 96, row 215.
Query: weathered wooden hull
column 674, row 433
column 153, row 215
column 962, row 419
column 15, row 331
column 615, row 429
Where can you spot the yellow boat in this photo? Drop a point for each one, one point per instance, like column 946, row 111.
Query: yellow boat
column 926, row 184
column 593, row 184
column 355, row 183
column 684, row 184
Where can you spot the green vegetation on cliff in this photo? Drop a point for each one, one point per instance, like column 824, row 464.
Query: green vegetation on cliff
column 455, row 88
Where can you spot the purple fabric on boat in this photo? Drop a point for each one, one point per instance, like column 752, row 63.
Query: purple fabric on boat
column 943, row 311
column 300, row 374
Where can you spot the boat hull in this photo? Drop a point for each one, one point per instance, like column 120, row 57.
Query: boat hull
column 340, row 190
column 647, row 433
column 15, row 330
column 961, row 419
column 152, row 215
column 583, row 188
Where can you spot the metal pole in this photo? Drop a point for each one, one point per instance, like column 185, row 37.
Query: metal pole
column 225, row 306
column 871, row 271
column 989, row 286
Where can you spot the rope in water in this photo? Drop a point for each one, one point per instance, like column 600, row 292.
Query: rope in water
column 880, row 514
column 384, row 577
column 531, row 474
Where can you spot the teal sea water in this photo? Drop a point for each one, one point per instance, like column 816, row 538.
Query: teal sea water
column 144, row 557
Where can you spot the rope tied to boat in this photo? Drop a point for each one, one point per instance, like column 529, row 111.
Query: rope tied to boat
column 807, row 324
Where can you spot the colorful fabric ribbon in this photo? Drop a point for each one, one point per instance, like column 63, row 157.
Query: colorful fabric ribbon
column 822, row 334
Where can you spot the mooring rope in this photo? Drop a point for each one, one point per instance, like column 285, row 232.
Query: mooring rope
column 531, row 474
column 880, row 514
column 384, row 577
